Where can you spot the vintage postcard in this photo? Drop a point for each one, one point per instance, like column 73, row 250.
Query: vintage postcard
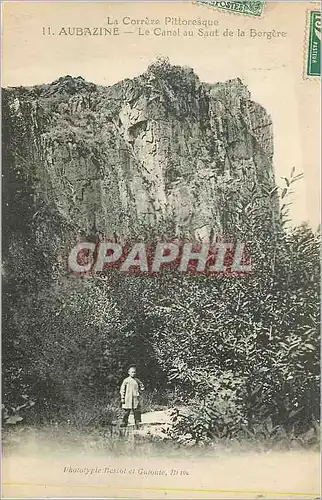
column 161, row 249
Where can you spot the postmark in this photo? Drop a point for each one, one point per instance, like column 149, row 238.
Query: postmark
column 251, row 8
column 313, row 63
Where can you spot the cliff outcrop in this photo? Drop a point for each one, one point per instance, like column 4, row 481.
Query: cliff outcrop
column 162, row 152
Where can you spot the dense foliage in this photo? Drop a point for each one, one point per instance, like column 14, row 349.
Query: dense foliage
column 240, row 351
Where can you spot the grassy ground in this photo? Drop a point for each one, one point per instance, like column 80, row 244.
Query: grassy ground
column 59, row 439
column 41, row 462
column 36, row 458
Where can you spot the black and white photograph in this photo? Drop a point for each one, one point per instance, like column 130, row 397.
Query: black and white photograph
column 161, row 249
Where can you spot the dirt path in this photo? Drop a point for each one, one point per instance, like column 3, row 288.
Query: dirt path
column 156, row 417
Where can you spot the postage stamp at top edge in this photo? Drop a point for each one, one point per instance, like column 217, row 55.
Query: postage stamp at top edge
column 251, row 8
column 313, row 65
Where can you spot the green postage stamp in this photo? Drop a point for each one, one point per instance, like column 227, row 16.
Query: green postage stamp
column 314, row 49
column 252, row 8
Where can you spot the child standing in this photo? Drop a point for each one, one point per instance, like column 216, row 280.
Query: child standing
column 130, row 393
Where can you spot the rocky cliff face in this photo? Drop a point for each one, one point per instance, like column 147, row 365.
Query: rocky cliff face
column 161, row 153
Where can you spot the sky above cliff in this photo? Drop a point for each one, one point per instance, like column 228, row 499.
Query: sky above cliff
column 271, row 68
